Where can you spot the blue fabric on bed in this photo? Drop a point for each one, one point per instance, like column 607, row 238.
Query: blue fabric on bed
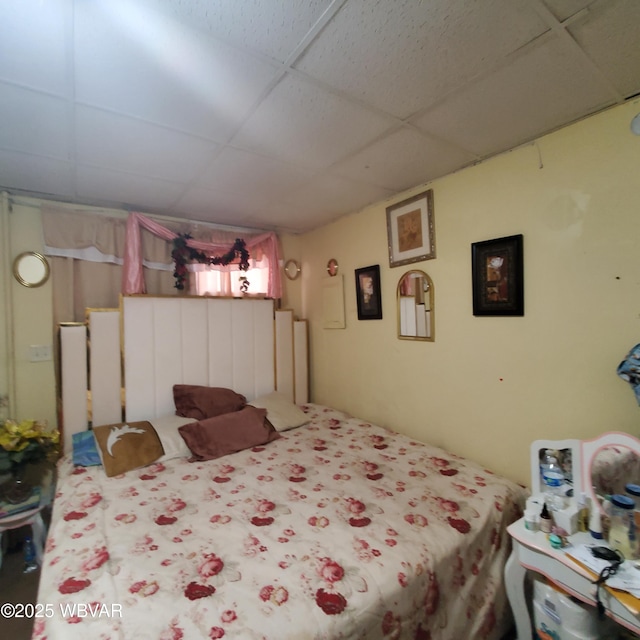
column 85, row 452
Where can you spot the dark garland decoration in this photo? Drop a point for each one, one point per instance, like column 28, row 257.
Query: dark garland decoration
column 182, row 254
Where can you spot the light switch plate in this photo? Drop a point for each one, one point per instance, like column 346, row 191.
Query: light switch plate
column 40, row 353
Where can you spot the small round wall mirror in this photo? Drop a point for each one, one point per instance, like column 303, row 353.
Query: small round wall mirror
column 31, row 269
column 332, row 267
column 292, row 269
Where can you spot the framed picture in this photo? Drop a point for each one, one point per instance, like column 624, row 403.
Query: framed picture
column 411, row 231
column 498, row 278
column 368, row 293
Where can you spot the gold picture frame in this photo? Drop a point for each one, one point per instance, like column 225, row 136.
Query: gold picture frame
column 411, row 230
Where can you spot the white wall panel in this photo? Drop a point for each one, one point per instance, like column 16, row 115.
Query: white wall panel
column 284, row 353
column 73, row 364
column 195, row 341
column 105, row 367
column 301, row 361
column 139, row 357
column 168, row 330
column 243, row 347
column 264, row 348
column 220, row 325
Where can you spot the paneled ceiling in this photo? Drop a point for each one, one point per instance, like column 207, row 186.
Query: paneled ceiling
column 287, row 114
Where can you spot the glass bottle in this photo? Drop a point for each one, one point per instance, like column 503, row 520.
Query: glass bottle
column 633, row 491
column 553, row 480
column 622, row 526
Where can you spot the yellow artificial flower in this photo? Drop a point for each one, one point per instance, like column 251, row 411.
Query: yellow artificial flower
column 28, row 440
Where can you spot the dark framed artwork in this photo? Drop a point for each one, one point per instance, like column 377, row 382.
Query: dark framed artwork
column 368, row 293
column 411, row 230
column 498, row 277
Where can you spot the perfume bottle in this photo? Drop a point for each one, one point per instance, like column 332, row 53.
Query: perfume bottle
column 545, row 519
column 583, row 512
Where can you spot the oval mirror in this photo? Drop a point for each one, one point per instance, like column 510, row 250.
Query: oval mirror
column 292, row 269
column 415, row 298
column 31, row 269
column 612, row 468
column 332, row 267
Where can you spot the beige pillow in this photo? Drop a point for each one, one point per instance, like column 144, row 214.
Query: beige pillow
column 172, row 442
column 126, row 446
column 281, row 412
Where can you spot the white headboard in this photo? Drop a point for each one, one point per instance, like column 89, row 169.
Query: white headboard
column 241, row 344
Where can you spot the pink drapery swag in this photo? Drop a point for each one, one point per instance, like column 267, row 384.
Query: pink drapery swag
column 132, row 272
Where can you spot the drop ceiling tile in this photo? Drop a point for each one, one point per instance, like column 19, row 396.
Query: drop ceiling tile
column 36, row 175
column 326, row 197
column 33, row 122
column 34, row 45
column 140, row 64
column 300, row 123
column 286, row 217
column 610, row 35
column 401, row 56
column 402, row 160
column 123, row 144
column 235, row 170
column 272, row 28
column 550, row 84
column 219, row 207
column 101, row 184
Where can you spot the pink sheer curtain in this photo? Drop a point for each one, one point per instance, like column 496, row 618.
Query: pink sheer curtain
column 132, row 273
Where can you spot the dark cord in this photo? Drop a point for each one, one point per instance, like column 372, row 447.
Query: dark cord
column 606, row 573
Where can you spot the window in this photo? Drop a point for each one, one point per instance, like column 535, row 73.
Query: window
column 226, row 282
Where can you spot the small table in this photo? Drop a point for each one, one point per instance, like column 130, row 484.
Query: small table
column 531, row 550
column 32, row 518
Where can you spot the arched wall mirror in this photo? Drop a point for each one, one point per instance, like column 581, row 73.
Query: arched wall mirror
column 415, row 298
column 31, row 269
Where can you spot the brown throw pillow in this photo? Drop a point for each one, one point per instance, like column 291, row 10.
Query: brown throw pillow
column 126, row 446
column 231, row 432
column 199, row 402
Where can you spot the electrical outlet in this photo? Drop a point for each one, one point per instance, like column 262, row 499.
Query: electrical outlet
column 40, row 353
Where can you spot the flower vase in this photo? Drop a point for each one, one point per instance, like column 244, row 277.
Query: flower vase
column 16, row 489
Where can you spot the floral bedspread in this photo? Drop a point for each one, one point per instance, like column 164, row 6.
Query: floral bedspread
column 339, row 529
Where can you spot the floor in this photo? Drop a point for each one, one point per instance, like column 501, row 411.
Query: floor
column 16, row 587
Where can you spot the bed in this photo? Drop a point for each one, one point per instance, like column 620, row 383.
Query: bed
column 330, row 527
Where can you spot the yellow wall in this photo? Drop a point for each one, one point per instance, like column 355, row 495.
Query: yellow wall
column 27, row 319
column 488, row 386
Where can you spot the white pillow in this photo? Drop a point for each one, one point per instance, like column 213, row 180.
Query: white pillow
column 172, row 442
column 281, row 412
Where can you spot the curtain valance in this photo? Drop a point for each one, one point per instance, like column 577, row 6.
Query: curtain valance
column 132, row 275
column 99, row 238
